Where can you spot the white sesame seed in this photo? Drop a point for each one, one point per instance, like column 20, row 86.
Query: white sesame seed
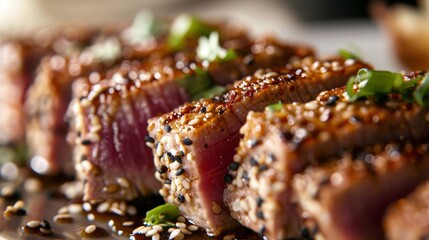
column 187, row 197
column 75, row 208
column 181, row 219
column 175, row 165
column 90, row 217
column 63, row 210
column 87, row 206
column 103, row 207
column 33, row 224
column 117, row 211
column 90, row 229
column 156, row 237
column 7, row 191
column 87, row 166
column 186, row 184
column 141, row 230
column 164, row 140
column 111, row 223
column 19, row 204
column 123, row 206
column 177, row 139
column 151, row 232
column 185, row 231
column 194, row 122
column 190, row 157
column 123, row 182
column 157, row 227
column 174, row 234
column 63, row 218
column 159, row 149
column 193, row 228
column 127, row 223
column 132, row 211
column 180, row 225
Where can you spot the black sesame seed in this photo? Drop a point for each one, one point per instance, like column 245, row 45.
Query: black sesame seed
column 305, row 233
column 187, row 141
column 203, row 109
column 178, row 158
column 253, row 161
column 180, row 171
column 246, row 176
column 228, row 178
column 167, row 181
column 263, row 168
column 181, row 153
column 163, row 169
column 167, row 128
column 86, row 142
column 332, row 100
column 287, row 135
column 149, row 139
column 233, row 166
column 170, row 156
column 262, row 230
column 45, row 224
column 21, row 212
column 259, row 201
column 260, row 215
column 253, row 142
column 181, row 198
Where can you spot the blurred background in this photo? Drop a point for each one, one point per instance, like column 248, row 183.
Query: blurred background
column 327, row 24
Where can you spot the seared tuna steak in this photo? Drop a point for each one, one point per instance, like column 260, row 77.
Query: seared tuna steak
column 408, row 218
column 111, row 131
column 194, row 144
column 296, row 135
column 346, row 199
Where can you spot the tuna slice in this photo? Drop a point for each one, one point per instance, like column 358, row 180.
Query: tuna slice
column 347, row 199
column 19, row 59
column 194, row 144
column 111, row 125
column 408, row 218
column 301, row 134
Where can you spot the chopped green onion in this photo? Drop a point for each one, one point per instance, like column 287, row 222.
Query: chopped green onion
column 106, row 50
column 422, row 91
column 145, row 27
column 183, row 27
column 209, row 49
column 371, row 83
column 346, row 54
column 210, row 92
column 196, row 83
column 162, row 214
column 275, row 107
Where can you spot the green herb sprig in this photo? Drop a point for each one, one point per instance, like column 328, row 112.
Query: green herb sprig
column 209, row 49
column 378, row 84
column 183, row 27
column 162, row 214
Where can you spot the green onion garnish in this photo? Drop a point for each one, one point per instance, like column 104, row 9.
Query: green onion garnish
column 196, row 83
column 209, row 49
column 183, row 27
column 372, row 83
column 106, row 50
column 422, row 91
column 275, row 107
column 162, row 214
column 380, row 83
column 346, row 54
column 144, row 27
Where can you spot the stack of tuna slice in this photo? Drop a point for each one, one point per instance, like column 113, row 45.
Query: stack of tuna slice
column 194, row 144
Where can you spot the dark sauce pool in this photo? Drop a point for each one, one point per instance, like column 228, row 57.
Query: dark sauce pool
column 32, row 207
